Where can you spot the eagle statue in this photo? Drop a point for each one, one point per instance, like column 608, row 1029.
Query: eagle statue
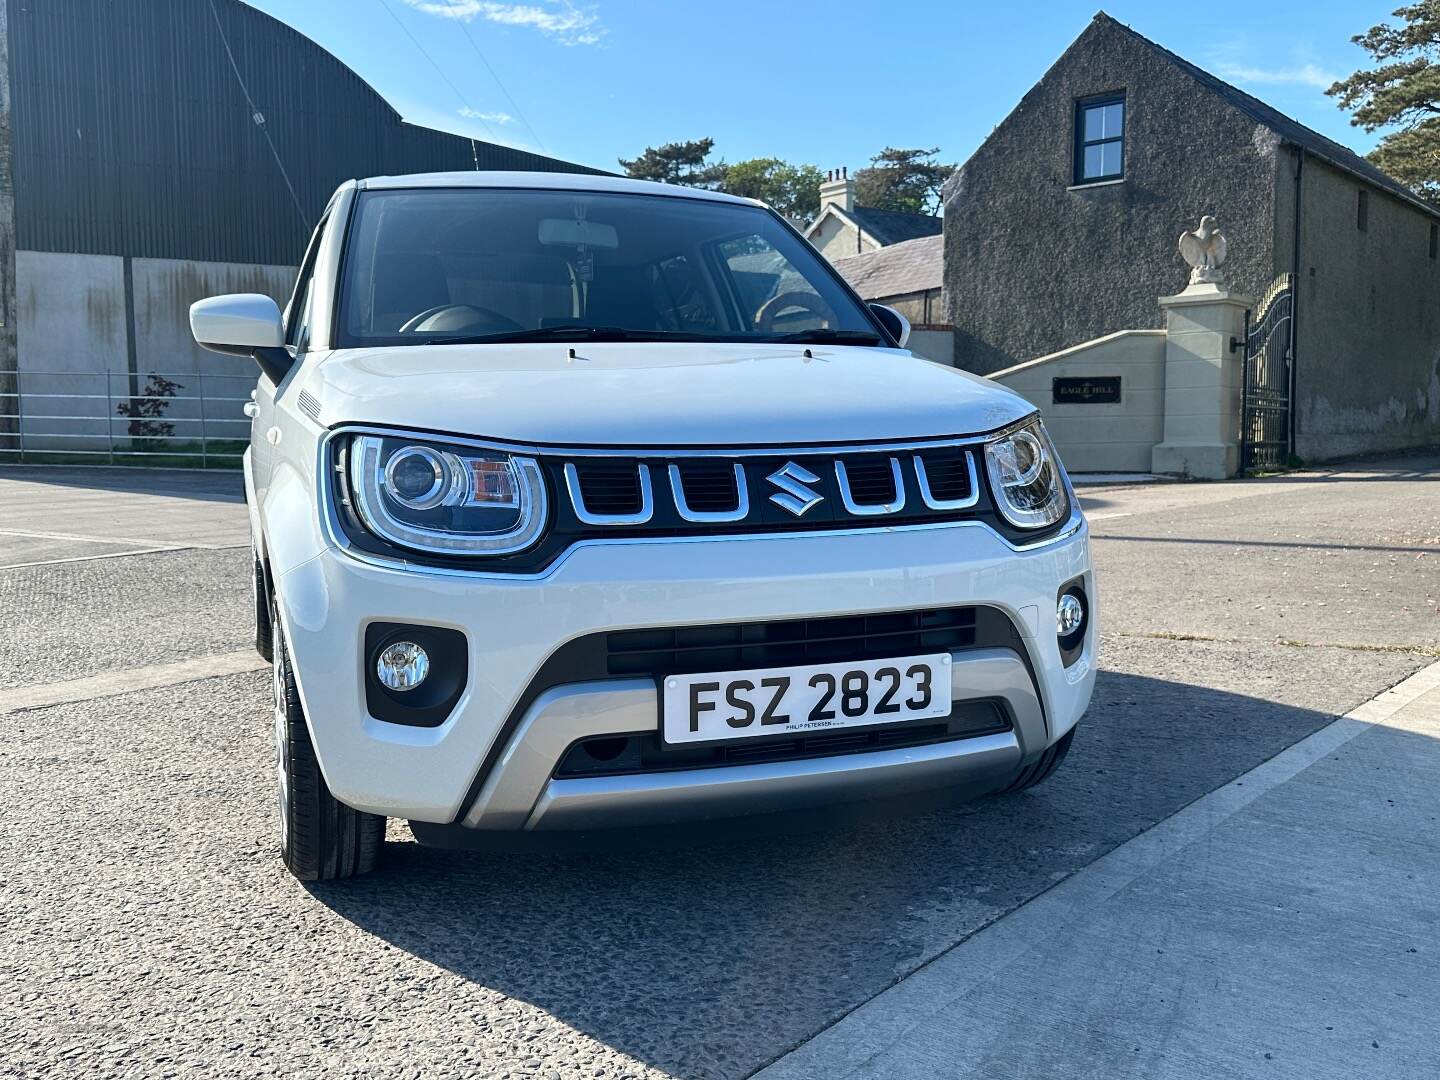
column 1204, row 249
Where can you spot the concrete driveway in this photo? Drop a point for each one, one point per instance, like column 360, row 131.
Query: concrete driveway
column 149, row 928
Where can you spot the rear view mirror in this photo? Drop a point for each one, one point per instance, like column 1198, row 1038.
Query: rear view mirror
column 243, row 324
column 578, row 233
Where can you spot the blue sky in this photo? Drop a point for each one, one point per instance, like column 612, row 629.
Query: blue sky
column 828, row 84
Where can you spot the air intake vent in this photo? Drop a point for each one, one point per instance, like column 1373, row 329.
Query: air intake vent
column 740, row 646
column 948, row 472
column 709, row 485
column 610, row 486
column 872, row 479
column 309, row 406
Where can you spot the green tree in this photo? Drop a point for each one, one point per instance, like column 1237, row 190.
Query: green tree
column 902, row 180
column 678, row 163
column 793, row 190
column 1403, row 92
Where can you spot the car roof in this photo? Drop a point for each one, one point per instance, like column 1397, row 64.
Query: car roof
column 549, row 181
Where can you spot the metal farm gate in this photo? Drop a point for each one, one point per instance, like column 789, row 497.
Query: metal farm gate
column 1266, row 403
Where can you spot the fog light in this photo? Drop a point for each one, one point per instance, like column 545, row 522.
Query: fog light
column 402, row 666
column 1069, row 615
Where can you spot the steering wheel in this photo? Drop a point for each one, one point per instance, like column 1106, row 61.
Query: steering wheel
column 807, row 301
column 457, row 318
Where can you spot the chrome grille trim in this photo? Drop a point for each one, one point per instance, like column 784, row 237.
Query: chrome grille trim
column 870, row 509
column 928, row 496
column 682, row 507
column 577, row 499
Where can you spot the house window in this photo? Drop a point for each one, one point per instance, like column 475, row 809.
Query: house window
column 1362, row 211
column 1100, row 139
column 1434, row 240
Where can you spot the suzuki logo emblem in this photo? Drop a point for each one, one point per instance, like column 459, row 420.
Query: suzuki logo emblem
column 794, row 495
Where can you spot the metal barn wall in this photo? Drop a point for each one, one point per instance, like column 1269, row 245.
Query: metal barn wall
column 133, row 135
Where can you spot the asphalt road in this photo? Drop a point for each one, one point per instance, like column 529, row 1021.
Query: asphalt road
column 149, row 929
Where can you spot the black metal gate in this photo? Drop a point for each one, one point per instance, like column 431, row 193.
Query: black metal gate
column 1265, row 412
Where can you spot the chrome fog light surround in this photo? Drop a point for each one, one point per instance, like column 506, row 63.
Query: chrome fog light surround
column 402, row 666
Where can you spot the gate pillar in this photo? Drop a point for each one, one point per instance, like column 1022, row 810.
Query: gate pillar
column 1204, row 369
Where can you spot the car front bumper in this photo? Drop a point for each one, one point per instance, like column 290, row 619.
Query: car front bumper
column 491, row 764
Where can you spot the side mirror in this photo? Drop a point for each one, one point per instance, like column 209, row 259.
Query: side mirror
column 243, row 324
column 893, row 321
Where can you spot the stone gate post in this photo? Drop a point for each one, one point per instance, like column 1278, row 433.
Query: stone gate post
column 1204, row 376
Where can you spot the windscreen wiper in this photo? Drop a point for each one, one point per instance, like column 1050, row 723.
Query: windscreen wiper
column 561, row 333
column 826, row 336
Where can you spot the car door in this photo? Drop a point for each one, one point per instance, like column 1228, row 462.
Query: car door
column 265, row 427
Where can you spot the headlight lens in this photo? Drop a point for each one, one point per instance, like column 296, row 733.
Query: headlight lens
column 1026, row 478
column 450, row 499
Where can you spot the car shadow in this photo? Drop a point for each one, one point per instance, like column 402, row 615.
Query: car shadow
column 709, row 960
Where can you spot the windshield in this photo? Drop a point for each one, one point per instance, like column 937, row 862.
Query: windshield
column 481, row 264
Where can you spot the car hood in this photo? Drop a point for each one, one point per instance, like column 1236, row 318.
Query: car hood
column 658, row 394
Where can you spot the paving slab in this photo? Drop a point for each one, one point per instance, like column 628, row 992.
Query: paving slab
column 1257, row 933
column 135, row 508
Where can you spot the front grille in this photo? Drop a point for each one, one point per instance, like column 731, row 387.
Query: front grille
column 948, row 472
column 610, row 485
column 741, row 646
column 872, row 480
column 613, row 755
column 709, row 485
column 718, row 493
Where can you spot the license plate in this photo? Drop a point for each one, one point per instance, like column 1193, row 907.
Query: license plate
column 729, row 705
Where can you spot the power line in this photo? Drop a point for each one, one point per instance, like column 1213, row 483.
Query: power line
column 438, row 69
column 468, row 37
column 257, row 116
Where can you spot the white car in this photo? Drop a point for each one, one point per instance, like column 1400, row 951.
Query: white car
column 584, row 503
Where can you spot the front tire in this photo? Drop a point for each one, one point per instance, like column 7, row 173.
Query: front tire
column 1039, row 770
column 264, row 633
column 321, row 838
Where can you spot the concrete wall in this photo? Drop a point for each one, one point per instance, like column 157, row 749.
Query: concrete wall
column 1115, row 437
column 77, row 320
column 1368, row 336
column 937, row 345
column 1034, row 265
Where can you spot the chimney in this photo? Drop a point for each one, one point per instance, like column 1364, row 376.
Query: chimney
column 839, row 189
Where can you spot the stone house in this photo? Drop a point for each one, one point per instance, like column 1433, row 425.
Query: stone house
column 842, row 229
column 1062, row 229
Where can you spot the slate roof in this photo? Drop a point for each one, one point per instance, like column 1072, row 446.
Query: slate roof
column 1291, row 131
column 894, row 226
column 909, row 267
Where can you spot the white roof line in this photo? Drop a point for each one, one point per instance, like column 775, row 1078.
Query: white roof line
column 550, row 181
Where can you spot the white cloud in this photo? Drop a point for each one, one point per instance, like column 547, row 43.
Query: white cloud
column 560, row 19
column 1299, row 75
column 487, row 117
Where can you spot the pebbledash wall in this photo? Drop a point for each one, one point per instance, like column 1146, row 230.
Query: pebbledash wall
column 152, row 153
column 1367, row 349
column 1036, row 264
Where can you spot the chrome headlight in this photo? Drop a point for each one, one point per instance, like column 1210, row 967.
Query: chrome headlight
column 450, row 499
column 1026, row 477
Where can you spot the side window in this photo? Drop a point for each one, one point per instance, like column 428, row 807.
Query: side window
column 1100, row 139
column 297, row 316
column 772, row 295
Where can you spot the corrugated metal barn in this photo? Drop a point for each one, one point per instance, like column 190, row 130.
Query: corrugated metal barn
column 153, row 152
